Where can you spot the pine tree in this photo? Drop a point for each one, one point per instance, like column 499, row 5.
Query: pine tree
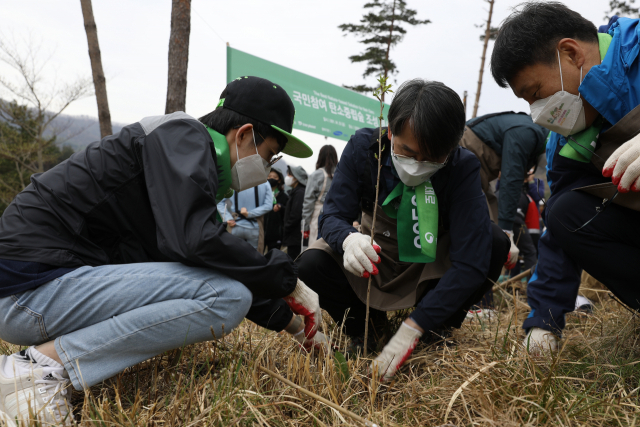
column 622, row 8
column 381, row 29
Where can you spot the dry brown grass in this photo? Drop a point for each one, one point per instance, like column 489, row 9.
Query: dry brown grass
column 486, row 379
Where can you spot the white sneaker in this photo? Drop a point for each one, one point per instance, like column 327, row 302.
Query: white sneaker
column 539, row 340
column 31, row 391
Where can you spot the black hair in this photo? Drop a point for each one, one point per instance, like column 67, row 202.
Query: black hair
column 280, row 178
column 530, row 35
column 435, row 114
column 222, row 120
column 327, row 159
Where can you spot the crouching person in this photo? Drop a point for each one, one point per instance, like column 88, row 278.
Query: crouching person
column 118, row 254
column 435, row 247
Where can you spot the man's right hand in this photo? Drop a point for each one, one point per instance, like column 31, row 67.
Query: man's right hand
column 304, row 301
column 360, row 256
column 513, row 252
column 231, row 223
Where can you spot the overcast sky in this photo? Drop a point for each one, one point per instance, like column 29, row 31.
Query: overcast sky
column 300, row 34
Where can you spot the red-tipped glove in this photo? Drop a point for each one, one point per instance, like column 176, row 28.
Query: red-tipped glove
column 395, row 353
column 513, row 252
column 306, row 234
column 318, row 342
column 623, row 166
column 360, row 257
column 305, row 302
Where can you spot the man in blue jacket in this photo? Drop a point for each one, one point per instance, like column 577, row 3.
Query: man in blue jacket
column 434, row 246
column 585, row 87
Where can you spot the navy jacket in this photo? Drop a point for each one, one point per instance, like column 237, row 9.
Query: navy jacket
column 462, row 211
column 519, row 142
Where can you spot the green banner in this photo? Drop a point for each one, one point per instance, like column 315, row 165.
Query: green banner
column 321, row 107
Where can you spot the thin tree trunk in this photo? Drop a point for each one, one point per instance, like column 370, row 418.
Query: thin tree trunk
column 484, row 54
column 464, row 103
column 99, row 82
column 178, row 55
column 393, row 14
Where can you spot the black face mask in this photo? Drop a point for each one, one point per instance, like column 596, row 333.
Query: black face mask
column 273, row 182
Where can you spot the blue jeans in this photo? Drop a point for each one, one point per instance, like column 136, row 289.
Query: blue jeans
column 249, row 235
column 108, row 318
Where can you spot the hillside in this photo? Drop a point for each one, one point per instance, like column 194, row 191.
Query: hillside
column 79, row 131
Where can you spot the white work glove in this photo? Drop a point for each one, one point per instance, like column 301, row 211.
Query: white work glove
column 395, row 353
column 305, row 302
column 539, row 340
column 319, row 341
column 513, row 252
column 623, row 166
column 360, row 255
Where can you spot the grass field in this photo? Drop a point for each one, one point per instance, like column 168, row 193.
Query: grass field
column 485, row 379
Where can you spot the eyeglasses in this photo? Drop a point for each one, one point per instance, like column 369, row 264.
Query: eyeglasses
column 275, row 158
column 411, row 160
column 599, row 209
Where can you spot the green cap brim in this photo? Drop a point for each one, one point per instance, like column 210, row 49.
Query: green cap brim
column 294, row 147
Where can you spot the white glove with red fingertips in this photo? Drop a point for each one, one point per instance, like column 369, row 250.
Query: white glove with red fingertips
column 305, row 302
column 513, row 252
column 395, row 353
column 360, row 257
column 623, row 166
column 319, row 341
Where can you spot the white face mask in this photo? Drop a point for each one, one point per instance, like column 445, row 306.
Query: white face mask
column 561, row 112
column 288, row 181
column 249, row 171
column 412, row 172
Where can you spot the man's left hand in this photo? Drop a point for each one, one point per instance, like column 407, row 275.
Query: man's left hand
column 623, row 166
column 396, row 352
column 244, row 212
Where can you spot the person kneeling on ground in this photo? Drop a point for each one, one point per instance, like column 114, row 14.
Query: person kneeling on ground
column 584, row 86
column 118, row 254
column 435, row 247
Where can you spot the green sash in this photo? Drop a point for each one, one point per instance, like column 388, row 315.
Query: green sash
column 580, row 147
column 416, row 212
column 223, row 163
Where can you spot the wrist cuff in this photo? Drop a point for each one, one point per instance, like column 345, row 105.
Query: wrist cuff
column 294, row 326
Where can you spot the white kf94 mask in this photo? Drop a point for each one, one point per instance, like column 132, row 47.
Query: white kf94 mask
column 561, row 112
column 249, row 171
column 412, row 172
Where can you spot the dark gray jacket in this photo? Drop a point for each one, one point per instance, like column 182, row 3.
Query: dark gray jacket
column 146, row 194
column 520, row 142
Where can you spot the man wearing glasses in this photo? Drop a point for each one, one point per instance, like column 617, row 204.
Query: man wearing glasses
column 119, row 254
column 434, row 246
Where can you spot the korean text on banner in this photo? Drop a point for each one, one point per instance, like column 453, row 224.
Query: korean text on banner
column 321, row 107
